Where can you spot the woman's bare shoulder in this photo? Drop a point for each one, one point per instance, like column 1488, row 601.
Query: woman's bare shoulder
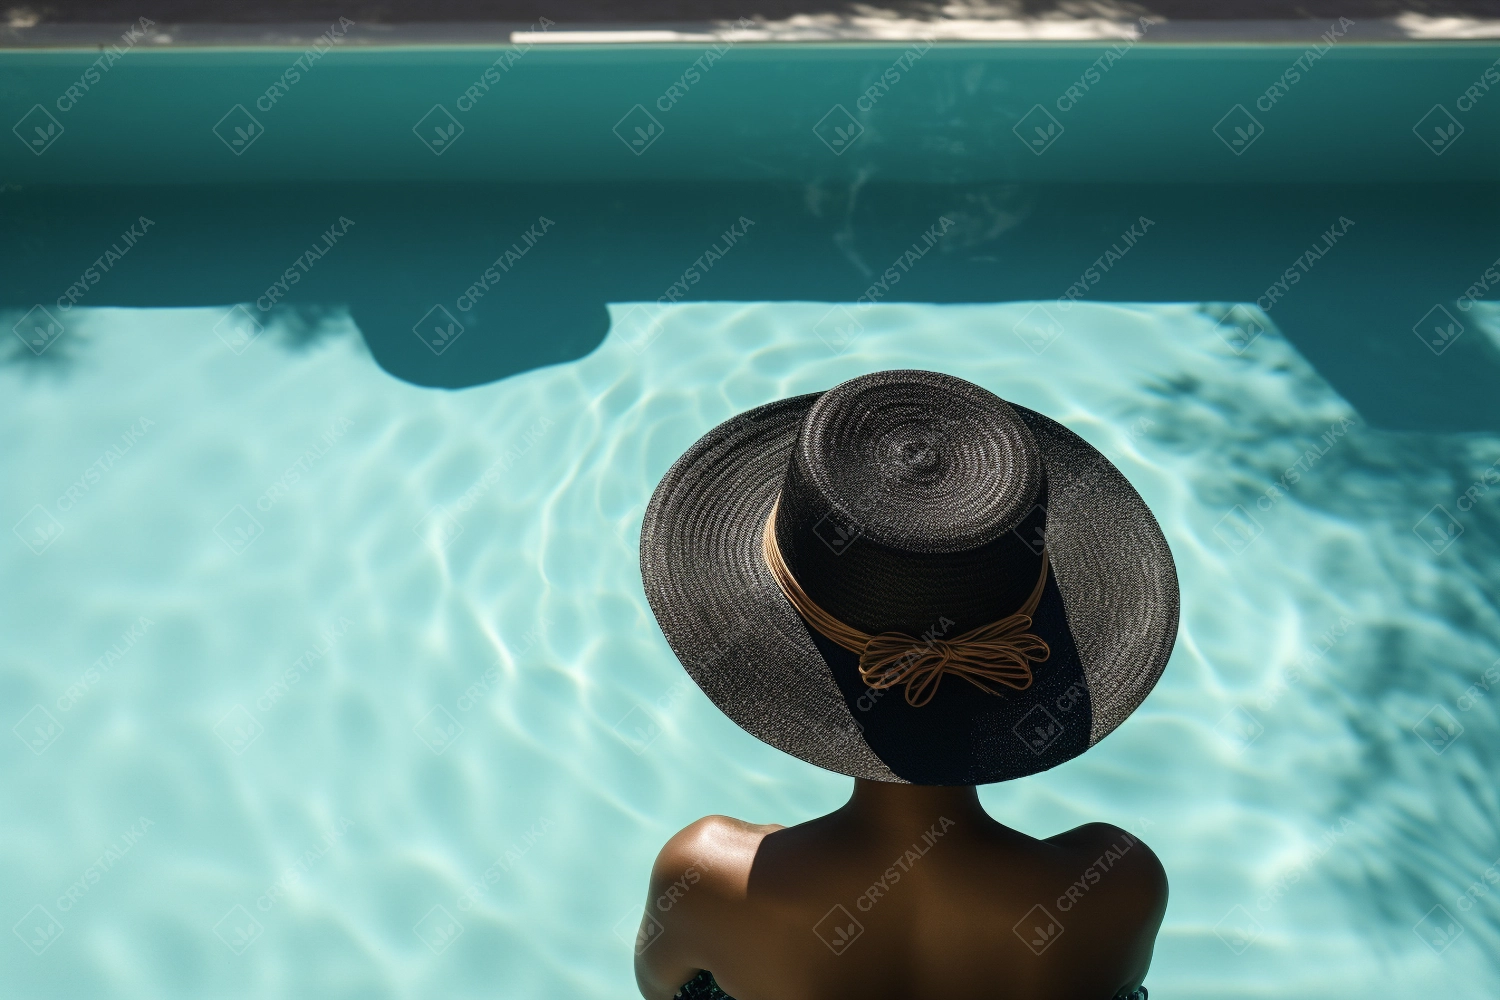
column 1103, row 836
column 1106, row 853
column 715, row 852
column 699, row 880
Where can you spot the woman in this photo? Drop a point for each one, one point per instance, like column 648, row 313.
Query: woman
column 909, row 581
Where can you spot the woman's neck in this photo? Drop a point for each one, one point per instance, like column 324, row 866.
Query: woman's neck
column 903, row 808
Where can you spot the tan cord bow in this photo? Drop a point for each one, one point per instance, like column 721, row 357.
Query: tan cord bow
column 1001, row 652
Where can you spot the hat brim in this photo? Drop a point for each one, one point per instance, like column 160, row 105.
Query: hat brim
column 1109, row 611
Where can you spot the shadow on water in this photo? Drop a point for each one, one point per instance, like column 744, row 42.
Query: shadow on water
column 1352, row 312
column 1423, row 817
column 1416, row 641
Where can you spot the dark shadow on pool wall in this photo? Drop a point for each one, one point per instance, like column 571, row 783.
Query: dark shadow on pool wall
column 1351, row 312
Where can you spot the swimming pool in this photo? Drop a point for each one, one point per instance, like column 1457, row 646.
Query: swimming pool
column 327, row 655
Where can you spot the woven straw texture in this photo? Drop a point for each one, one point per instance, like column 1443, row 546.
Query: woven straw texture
column 914, row 502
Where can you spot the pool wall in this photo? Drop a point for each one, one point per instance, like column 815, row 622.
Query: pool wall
column 943, row 112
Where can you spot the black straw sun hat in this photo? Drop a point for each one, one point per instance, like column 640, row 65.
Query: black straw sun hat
column 905, row 578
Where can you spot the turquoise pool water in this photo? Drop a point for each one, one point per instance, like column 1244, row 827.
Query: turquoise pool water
column 327, row 661
column 338, row 663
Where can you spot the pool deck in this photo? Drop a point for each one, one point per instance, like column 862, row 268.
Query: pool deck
column 289, row 22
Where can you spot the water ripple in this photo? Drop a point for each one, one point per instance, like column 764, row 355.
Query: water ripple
column 503, row 740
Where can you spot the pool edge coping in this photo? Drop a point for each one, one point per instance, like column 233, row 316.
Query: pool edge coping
column 1405, row 29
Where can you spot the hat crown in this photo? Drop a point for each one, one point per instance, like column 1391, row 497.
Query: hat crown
column 913, row 498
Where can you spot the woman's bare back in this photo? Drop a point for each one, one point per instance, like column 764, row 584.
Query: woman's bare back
column 907, row 893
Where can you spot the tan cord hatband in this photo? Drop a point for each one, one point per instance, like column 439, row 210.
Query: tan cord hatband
column 1001, row 652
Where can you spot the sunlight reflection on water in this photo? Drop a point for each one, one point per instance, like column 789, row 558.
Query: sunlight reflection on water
column 401, row 723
